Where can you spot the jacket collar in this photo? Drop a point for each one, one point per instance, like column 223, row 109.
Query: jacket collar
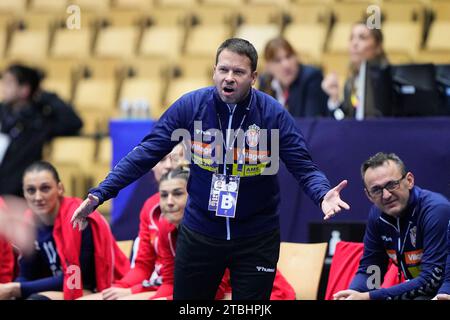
column 242, row 107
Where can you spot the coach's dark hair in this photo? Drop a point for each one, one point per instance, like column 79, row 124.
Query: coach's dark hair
column 241, row 47
column 180, row 172
column 379, row 159
column 43, row 166
column 26, row 76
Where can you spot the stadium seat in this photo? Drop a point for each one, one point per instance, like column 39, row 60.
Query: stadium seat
column 338, row 41
column 13, row 6
column 349, row 11
column 141, row 5
column 109, row 38
column 271, row 2
column 62, row 87
column 126, row 246
column 187, row 74
column 301, row 264
column 29, row 45
column 435, row 41
column 162, row 41
column 208, row 28
column 138, row 89
column 402, row 38
column 92, row 6
column 95, row 100
column 308, row 41
column 67, row 150
column 74, row 170
column 258, row 35
column 71, row 43
column 176, row 3
column 49, row 5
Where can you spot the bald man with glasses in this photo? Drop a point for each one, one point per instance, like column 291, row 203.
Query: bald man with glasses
column 408, row 226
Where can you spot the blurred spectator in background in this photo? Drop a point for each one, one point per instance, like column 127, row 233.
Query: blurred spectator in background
column 295, row 85
column 29, row 117
column 365, row 45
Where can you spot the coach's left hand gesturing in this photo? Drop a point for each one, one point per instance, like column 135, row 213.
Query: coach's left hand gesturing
column 332, row 203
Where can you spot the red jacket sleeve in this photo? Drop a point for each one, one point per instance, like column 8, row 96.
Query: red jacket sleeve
column 146, row 255
column 6, row 262
column 166, row 250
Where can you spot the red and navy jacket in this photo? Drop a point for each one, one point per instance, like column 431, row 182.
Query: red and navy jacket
column 198, row 113
column 415, row 242
column 144, row 274
column 110, row 263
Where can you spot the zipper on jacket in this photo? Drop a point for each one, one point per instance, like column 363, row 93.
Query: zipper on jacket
column 400, row 253
column 230, row 120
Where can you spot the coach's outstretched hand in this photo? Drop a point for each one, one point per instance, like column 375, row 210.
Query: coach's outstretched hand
column 85, row 208
column 332, row 202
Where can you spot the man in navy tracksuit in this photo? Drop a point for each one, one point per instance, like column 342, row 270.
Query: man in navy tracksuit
column 231, row 217
column 407, row 225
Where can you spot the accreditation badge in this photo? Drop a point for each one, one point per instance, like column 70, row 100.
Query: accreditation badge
column 228, row 198
column 218, row 183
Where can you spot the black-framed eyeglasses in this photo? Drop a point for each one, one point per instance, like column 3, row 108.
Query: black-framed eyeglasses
column 377, row 192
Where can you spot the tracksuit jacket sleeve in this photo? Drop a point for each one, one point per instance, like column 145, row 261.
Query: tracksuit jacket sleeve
column 147, row 154
column 374, row 255
column 445, row 288
column 295, row 155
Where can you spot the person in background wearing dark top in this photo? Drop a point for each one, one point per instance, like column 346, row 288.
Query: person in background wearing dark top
column 29, row 117
column 66, row 263
column 365, row 45
column 296, row 86
column 407, row 225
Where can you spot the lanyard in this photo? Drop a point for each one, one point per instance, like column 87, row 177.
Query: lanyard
column 225, row 144
column 234, row 139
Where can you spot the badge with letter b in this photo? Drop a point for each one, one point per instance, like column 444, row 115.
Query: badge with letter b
column 228, row 198
column 227, row 204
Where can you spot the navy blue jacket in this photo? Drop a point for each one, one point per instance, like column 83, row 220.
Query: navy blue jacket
column 259, row 195
column 445, row 288
column 416, row 242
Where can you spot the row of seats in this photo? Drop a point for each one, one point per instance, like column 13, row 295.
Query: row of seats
column 105, row 5
column 101, row 89
column 410, row 30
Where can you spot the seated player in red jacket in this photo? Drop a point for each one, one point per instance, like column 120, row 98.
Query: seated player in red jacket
column 144, row 278
column 66, row 262
column 173, row 198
